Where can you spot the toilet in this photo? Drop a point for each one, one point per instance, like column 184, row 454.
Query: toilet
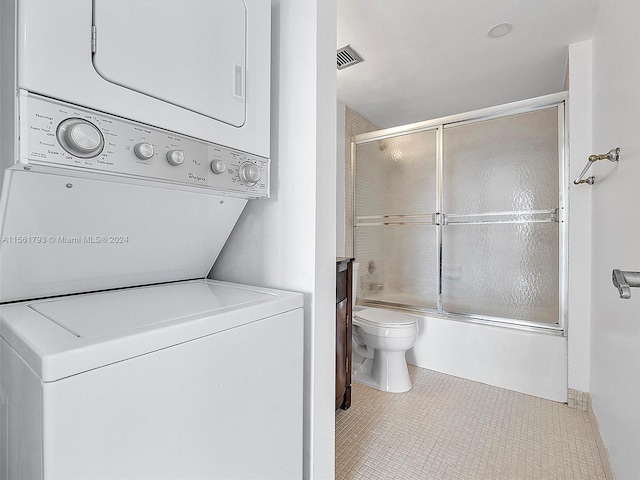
column 380, row 340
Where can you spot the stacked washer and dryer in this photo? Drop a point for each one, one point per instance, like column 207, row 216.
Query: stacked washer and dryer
column 134, row 133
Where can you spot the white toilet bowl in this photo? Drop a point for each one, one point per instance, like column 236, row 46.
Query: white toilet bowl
column 380, row 340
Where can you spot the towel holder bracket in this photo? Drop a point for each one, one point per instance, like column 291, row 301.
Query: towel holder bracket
column 612, row 155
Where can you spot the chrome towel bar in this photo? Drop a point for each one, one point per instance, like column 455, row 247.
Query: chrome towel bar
column 612, row 155
column 623, row 281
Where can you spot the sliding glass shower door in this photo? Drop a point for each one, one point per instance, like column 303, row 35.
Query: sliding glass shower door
column 464, row 217
column 500, row 239
column 395, row 238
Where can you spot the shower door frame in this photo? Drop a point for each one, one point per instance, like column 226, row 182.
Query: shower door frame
column 439, row 124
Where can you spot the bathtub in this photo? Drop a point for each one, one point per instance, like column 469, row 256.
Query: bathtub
column 531, row 362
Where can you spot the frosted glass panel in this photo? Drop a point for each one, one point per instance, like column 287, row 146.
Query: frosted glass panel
column 504, row 164
column 396, row 176
column 397, row 264
column 501, row 270
column 498, row 218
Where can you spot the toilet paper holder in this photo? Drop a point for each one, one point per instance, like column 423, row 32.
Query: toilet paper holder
column 623, row 281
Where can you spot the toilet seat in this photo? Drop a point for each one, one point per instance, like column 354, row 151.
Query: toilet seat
column 376, row 317
column 385, row 323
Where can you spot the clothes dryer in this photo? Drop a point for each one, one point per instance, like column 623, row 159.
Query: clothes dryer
column 198, row 67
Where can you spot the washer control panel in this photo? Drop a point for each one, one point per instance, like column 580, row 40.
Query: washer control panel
column 56, row 133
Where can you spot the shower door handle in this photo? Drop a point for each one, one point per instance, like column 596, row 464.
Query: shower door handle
column 623, row 281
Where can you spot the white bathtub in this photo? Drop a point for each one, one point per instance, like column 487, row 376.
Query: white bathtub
column 530, row 362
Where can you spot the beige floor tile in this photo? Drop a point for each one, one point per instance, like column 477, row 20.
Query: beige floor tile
column 450, row 428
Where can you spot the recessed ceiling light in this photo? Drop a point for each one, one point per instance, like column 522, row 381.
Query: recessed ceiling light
column 499, row 30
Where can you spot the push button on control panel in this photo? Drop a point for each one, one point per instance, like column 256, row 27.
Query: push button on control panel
column 218, row 167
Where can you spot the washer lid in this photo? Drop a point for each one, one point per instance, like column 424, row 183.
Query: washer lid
column 119, row 311
column 382, row 317
column 67, row 336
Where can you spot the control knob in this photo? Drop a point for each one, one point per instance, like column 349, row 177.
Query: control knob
column 250, row 173
column 143, row 150
column 175, row 157
column 80, row 138
column 218, row 166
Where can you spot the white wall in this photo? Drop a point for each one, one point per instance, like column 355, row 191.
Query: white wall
column 289, row 240
column 615, row 325
column 580, row 225
column 340, row 181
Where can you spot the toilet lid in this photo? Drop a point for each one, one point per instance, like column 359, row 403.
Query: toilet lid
column 380, row 317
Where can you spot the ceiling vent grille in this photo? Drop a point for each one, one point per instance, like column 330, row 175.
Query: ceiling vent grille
column 347, row 56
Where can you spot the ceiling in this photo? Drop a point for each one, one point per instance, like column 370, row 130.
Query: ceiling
column 426, row 59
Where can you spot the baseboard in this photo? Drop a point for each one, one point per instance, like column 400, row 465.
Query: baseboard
column 602, row 449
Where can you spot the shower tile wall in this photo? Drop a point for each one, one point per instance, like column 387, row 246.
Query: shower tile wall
column 354, row 124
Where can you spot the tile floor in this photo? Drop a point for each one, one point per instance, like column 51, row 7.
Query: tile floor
column 450, row 428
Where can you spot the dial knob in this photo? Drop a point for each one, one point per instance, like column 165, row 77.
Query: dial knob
column 218, row 166
column 80, row 138
column 250, row 173
column 143, row 150
column 175, row 157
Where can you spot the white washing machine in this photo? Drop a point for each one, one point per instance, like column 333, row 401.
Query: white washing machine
column 156, row 372
column 195, row 379
column 118, row 358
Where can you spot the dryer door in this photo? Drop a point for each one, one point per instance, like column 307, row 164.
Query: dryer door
column 190, row 53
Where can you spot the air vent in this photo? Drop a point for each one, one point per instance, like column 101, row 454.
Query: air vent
column 347, row 56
